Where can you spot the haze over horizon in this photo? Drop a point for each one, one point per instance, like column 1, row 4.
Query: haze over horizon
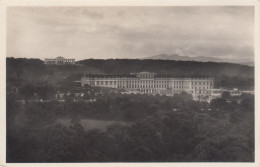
column 130, row 32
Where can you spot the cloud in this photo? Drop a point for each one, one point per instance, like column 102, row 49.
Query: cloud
column 130, row 32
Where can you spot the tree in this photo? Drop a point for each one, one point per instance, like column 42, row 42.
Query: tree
column 226, row 95
column 218, row 103
column 248, row 103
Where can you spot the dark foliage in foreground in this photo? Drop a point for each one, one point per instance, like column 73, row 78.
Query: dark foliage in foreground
column 164, row 129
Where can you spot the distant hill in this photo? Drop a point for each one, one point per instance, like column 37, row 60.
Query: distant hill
column 168, row 67
column 33, row 71
column 200, row 59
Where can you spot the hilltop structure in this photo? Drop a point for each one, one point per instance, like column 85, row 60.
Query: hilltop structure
column 59, row 61
column 151, row 83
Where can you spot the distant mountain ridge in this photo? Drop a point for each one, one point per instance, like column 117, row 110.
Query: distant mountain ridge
column 200, row 59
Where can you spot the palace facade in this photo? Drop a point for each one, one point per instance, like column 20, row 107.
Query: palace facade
column 59, row 61
column 151, row 83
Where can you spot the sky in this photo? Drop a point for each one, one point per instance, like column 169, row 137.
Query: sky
column 130, row 32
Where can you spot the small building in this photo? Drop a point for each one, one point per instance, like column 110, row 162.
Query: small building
column 59, row 61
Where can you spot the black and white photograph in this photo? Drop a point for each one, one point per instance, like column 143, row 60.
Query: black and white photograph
column 130, row 84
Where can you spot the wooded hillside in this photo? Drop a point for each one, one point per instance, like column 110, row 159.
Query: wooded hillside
column 33, row 70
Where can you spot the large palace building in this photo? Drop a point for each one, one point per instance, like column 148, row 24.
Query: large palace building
column 151, row 83
column 59, row 61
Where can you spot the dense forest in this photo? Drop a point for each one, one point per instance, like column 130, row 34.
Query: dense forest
column 168, row 67
column 163, row 128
